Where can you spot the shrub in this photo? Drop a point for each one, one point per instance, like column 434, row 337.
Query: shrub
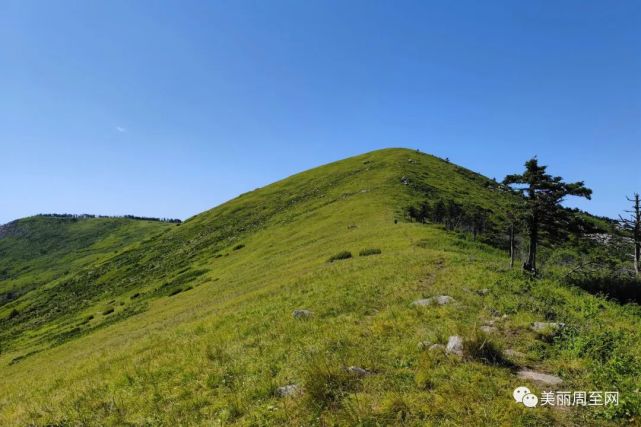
column 175, row 292
column 340, row 255
column 13, row 313
column 367, row 252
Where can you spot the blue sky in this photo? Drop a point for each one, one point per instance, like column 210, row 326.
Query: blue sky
column 170, row 108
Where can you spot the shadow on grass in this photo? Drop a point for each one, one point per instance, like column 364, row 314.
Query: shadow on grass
column 624, row 289
column 483, row 349
column 621, row 289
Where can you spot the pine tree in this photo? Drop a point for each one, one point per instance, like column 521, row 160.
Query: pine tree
column 633, row 224
column 543, row 196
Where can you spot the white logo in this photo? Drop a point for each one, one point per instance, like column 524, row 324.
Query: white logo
column 523, row 395
column 530, row 400
column 565, row 398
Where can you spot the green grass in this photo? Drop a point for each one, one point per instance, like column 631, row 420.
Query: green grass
column 216, row 354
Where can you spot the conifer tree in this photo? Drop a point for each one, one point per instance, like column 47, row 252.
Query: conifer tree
column 543, row 196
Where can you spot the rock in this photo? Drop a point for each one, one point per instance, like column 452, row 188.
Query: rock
column 488, row 329
column 405, row 180
column 513, row 353
column 483, row 292
column 454, row 345
column 301, row 314
column 437, row 347
column 443, row 299
column 288, row 390
column 438, row 300
column 547, row 327
column 539, row 377
column 358, row 371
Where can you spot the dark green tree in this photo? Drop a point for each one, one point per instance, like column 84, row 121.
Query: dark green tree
column 477, row 219
column 542, row 210
column 439, row 212
column 424, row 212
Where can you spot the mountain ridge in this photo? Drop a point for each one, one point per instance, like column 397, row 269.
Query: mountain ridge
column 197, row 317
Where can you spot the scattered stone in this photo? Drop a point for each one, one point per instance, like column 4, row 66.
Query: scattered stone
column 437, row 347
column 539, row 377
column 483, row 292
column 301, row 314
column 358, row 371
column 443, row 299
column 454, row 345
column 488, row 329
column 411, row 161
column 547, row 327
column 405, row 180
column 288, row 390
column 513, row 353
column 438, row 300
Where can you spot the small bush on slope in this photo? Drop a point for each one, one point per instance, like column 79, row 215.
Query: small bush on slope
column 368, row 252
column 339, row 256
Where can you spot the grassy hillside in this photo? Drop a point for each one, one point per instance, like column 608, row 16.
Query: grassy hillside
column 38, row 252
column 194, row 325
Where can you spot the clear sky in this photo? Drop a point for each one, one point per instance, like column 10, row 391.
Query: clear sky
column 170, row 108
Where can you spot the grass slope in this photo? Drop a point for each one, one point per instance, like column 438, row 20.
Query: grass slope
column 210, row 335
column 38, row 252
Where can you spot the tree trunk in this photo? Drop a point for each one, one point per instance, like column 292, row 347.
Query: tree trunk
column 512, row 254
column 637, row 256
column 530, row 264
column 637, row 232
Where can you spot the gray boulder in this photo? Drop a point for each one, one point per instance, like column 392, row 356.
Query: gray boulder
column 539, row 377
column 454, row 345
column 358, row 371
column 437, row 300
column 547, row 327
column 288, row 390
column 437, row 347
column 301, row 314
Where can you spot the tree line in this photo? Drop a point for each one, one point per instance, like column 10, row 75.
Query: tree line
column 454, row 216
column 536, row 212
column 139, row 218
